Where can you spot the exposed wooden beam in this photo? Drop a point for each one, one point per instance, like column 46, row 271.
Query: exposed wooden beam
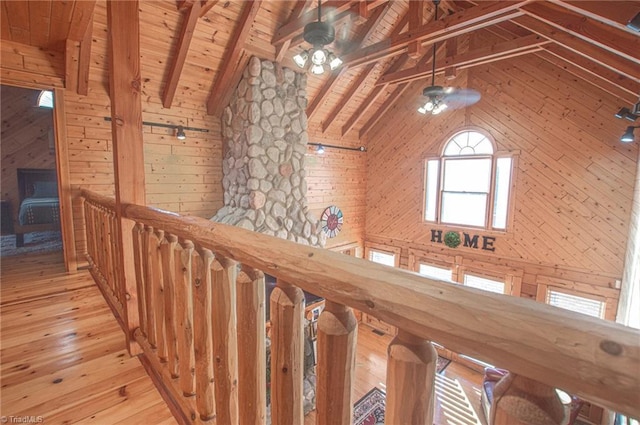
column 416, row 19
column 587, row 69
column 498, row 51
column 388, row 103
column 298, row 10
column 364, row 75
column 360, row 38
column 221, row 92
column 613, row 13
column 373, row 96
column 296, row 26
column 190, row 19
column 206, row 6
column 485, row 14
column 602, row 35
column 71, row 58
column 80, row 19
column 84, row 61
column 125, row 87
column 588, row 50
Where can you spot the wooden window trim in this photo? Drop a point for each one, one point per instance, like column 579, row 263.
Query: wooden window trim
column 385, row 249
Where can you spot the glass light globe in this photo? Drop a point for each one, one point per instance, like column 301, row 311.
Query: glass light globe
column 317, row 69
column 301, row 58
column 319, row 56
column 334, row 61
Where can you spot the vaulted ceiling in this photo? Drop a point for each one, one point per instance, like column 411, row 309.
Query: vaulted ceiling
column 385, row 45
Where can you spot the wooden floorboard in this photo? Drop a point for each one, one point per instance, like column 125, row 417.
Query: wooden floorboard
column 63, row 354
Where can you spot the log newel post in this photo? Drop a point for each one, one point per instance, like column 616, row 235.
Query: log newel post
column 411, row 370
column 287, row 354
column 522, row 401
column 252, row 358
column 337, row 333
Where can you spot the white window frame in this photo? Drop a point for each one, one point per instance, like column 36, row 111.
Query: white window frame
column 384, row 249
column 437, row 197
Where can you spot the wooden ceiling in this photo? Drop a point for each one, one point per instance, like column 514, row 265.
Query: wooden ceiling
column 384, row 44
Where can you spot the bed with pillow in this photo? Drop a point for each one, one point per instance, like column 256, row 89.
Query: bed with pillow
column 39, row 202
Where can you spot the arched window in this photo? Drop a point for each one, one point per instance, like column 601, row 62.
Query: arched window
column 469, row 184
column 45, row 99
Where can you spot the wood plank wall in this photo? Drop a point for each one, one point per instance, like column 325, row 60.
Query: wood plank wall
column 182, row 176
column 574, row 180
column 27, row 139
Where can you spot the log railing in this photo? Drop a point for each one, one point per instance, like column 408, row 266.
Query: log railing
column 202, row 328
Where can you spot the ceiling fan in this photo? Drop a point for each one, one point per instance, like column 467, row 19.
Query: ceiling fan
column 440, row 98
column 318, row 58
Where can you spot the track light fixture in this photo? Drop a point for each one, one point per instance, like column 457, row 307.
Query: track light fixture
column 628, row 136
column 318, row 58
column 180, row 133
column 320, row 148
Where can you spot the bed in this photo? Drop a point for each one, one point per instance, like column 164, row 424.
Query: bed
column 39, row 202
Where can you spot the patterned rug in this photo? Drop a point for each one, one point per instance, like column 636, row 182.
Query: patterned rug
column 369, row 410
column 35, row 242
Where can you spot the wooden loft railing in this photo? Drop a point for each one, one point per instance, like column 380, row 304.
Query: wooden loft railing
column 200, row 292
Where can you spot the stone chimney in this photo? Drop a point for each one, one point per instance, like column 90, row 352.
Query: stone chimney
column 265, row 141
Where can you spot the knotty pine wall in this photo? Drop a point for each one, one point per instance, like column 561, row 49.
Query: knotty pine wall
column 574, row 180
column 27, row 139
column 181, row 176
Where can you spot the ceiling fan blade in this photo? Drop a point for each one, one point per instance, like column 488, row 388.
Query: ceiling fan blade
column 460, row 98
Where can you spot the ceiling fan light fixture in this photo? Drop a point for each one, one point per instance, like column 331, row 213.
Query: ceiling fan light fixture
column 318, row 34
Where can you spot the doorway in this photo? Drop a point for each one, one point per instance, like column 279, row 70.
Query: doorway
column 30, row 201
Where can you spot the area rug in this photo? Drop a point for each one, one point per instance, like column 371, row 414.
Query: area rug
column 369, row 410
column 34, row 242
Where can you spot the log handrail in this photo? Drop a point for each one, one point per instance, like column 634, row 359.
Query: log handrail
column 592, row 358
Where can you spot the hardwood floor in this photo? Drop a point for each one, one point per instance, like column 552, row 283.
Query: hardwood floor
column 63, row 355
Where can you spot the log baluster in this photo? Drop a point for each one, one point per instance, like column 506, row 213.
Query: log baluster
column 225, row 339
column 522, row 401
column 148, row 253
column 203, row 338
column 252, row 382
column 411, row 370
column 337, row 334
column 158, row 293
column 168, row 274
column 121, row 290
column 138, row 260
column 88, row 220
column 287, row 354
column 183, row 254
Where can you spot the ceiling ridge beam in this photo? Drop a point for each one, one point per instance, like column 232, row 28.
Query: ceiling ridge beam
column 388, row 103
column 488, row 13
column 189, row 22
column 498, row 51
column 586, row 8
column 221, row 92
column 603, row 57
column 602, row 35
column 361, row 38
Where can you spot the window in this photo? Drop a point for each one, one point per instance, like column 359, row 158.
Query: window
column 382, row 258
column 435, row 272
column 484, row 283
column 588, row 306
column 45, row 99
column 469, row 185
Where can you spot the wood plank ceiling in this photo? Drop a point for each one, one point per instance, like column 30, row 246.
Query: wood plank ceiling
column 385, row 45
